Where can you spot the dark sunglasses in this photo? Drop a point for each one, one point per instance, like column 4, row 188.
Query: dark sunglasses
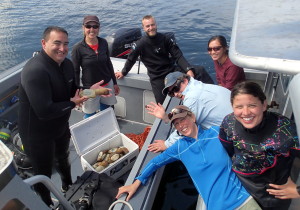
column 209, row 49
column 91, row 26
column 176, row 88
column 175, row 111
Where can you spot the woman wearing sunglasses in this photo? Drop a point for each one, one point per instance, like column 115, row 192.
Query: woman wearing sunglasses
column 214, row 180
column 263, row 146
column 91, row 56
column 227, row 73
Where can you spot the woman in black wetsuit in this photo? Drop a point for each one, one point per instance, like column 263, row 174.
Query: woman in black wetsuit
column 262, row 145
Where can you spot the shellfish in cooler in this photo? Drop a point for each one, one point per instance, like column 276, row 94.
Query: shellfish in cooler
column 107, row 157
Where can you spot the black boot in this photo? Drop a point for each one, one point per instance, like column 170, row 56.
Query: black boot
column 63, row 168
column 44, row 193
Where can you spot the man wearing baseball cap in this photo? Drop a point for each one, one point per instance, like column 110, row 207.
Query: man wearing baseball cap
column 210, row 104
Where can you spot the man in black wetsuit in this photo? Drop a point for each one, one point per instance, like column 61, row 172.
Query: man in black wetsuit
column 47, row 95
column 154, row 50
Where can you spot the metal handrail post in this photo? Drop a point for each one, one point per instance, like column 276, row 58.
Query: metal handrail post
column 49, row 184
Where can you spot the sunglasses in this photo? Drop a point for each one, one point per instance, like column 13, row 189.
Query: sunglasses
column 176, row 88
column 209, row 49
column 175, row 111
column 91, row 26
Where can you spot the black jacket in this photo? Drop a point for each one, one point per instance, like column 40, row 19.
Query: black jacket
column 262, row 155
column 45, row 92
column 155, row 54
column 95, row 67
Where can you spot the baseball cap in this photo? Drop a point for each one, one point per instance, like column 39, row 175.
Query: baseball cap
column 178, row 112
column 170, row 79
column 90, row 18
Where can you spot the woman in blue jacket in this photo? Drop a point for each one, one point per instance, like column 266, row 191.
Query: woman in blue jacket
column 212, row 175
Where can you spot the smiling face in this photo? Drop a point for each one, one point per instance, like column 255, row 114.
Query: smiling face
column 248, row 110
column 149, row 26
column 186, row 126
column 56, row 46
column 217, row 51
column 91, row 30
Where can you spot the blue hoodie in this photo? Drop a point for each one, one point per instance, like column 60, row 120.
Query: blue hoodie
column 209, row 166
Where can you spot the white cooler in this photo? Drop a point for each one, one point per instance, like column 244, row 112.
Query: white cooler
column 101, row 132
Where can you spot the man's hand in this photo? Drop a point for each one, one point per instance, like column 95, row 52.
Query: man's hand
column 119, row 75
column 190, row 73
column 157, row 146
column 117, row 90
column 158, row 111
column 77, row 99
column 285, row 191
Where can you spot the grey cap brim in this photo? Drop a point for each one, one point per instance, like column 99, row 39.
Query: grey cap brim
column 170, row 80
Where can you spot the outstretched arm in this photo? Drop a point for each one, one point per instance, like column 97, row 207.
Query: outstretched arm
column 285, row 191
column 160, row 160
column 77, row 99
column 131, row 59
column 130, row 189
column 161, row 145
column 97, row 85
column 157, row 146
column 158, row 111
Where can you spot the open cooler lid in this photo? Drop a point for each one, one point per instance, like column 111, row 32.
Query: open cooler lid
column 94, row 130
column 6, row 158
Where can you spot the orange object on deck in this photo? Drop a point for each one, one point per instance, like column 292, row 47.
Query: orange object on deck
column 139, row 139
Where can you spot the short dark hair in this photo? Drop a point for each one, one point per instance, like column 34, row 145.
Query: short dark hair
column 250, row 88
column 221, row 39
column 48, row 30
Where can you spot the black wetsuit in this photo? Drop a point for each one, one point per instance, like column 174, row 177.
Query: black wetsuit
column 95, row 67
column 155, row 54
column 44, row 111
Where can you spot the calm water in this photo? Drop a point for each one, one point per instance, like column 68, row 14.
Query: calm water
column 193, row 21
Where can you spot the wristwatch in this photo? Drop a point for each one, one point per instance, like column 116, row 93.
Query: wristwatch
column 298, row 189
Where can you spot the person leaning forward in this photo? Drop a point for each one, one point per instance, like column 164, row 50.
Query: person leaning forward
column 154, row 50
column 210, row 104
column 47, row 95
column 218, row 186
